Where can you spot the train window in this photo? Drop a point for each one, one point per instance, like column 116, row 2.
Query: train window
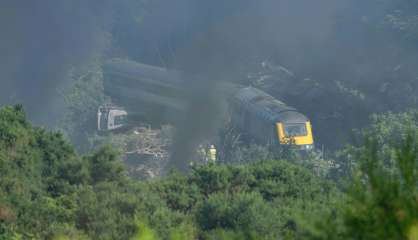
column 120, row 120
column 295, row 129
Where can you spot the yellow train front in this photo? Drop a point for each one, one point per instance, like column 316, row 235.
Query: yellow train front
column 270, row 121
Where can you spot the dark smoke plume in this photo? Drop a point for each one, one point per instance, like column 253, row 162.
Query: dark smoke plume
column 206, row 61
column 41, row 41
column 231, row 35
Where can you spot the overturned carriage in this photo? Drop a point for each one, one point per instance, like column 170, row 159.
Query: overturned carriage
column 147, row 92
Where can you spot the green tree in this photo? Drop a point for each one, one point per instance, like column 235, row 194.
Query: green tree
column 105, row 165
column 387, row 130
column 82, row 99
column 381, row 203
column 48, row 191
column 245, row 213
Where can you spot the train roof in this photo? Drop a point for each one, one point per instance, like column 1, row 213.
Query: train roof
column 137, row 70
column 267, row 106
column 124, row 76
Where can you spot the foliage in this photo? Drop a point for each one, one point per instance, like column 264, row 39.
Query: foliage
column 380, row 203
column 313, row 160
column 246, row 212
column 49, row 192
column 41, row 176
column 387, row 130
column 143, row 233
column 82, row 100
column 255, row 200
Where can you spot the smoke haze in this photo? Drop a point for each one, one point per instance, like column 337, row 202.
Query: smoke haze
column 40, row 43
column 234, row 35
column 360, row 54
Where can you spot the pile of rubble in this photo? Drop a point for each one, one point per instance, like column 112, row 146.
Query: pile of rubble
column 147, row 151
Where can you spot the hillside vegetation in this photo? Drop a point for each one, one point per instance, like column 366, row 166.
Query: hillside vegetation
column 47, row 191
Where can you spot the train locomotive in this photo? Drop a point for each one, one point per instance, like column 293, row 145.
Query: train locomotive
column 154, row 93
column 268, row 120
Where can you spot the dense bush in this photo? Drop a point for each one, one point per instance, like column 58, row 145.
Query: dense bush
column 47, row 191
column 381, row 200
column 387, row 130
column 381, row 203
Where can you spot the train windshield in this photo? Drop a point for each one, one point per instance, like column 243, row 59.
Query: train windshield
column 120, row 120
column 295, row 129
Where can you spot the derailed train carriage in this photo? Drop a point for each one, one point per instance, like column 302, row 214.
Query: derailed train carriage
column 154, row 93
column 268, row 120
